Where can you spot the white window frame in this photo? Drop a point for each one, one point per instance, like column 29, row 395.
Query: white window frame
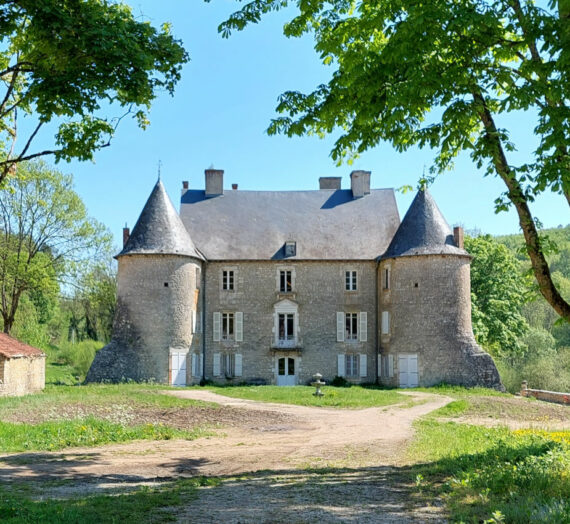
column 228, row 327
column 280, row 271
column 352, row 365
column 228, row 279
column 286, row 307
column 227, row 364
column 385, row 323
column 197, row 365
column 351, row 280
column 351, row 326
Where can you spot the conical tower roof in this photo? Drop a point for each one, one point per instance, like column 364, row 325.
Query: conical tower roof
column 159, row 229
column 423, row 231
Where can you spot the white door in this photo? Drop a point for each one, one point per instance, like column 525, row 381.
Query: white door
column 286, row 372
column 178, row 369
column 408, row 371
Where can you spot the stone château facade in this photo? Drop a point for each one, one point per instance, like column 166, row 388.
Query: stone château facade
column 275, row 286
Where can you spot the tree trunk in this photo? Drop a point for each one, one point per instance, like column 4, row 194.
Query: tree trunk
column 526, row 221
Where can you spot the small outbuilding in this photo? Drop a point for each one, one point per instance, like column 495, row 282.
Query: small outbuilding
column 22, row 367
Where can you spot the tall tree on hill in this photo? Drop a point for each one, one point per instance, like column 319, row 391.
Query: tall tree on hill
column 68, row 62
column 397, row 61
column 45, row 233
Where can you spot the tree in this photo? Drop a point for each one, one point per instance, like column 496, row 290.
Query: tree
column 498, row 293
column 65, row 61
column 45, row 234
column 440, row 74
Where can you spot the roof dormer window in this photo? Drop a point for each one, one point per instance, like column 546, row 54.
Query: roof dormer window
column 290, row 248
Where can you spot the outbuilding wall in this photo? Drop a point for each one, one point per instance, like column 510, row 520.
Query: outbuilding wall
column 21, row 375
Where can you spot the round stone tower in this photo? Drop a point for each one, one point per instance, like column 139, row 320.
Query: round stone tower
column 157, row 299
column 424, row 309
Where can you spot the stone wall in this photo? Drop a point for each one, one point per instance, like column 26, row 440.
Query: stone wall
column 429, row 306
column 23, row 375
column 157, row 295
column 318, row 293
column 547, row 396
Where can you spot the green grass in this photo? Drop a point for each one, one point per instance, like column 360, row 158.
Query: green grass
column 353, row 397
column 87, row 430
column 60, row 434
column 145, row 505
column 520, row 476
column 459, row 392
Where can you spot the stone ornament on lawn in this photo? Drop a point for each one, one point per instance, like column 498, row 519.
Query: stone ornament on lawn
column 318, row 383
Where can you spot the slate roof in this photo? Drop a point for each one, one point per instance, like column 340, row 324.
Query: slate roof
column 326, row 224
column 423, row 231
column 12, row 348
column 159, row 229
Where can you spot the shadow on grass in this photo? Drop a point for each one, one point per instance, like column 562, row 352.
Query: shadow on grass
column 49, row 490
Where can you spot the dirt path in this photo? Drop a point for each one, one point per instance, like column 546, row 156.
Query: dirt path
column 283, row 465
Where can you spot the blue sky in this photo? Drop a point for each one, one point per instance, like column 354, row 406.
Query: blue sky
column 218, row 118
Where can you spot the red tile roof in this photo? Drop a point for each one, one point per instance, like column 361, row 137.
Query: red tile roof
column 11, row 348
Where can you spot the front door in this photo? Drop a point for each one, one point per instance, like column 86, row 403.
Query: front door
column 286, row 372
column 408, row 371
column 178, row 377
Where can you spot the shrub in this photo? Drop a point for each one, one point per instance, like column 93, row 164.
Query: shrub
column 340, row 382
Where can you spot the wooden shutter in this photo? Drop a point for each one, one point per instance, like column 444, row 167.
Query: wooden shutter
column 363, row 327
column 239, row 326
column 238, row 365
column 217, row 367
column 340, row 329
column 201, row 364
column 390, row 366
column 193, row 320
column 194, row 364
column 217, row 326
column 385, row 323
column 363, row 365
column 379, row 363
column 341, row 372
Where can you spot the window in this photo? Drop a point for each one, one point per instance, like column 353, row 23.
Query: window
column 227, row 280
column 227, row 326
column 350, row 280
column 227, row 365
column 351, row 326
column 351, row 365
column 290, row 249
column 286, row 328
column 285, row 281
column 385, row 322
column 387, row 278
column 198, row 278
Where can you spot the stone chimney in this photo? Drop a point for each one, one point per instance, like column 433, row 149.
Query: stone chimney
column 234, row 187
column 458, row 237
column 360, row 183
column 214, row 182
column 329, row 182
column 185, row 187
column 126, row 235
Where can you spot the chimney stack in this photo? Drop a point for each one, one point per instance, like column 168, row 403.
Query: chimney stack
column 329, row 182
column 185, row 186
column 126, row 235
column 234, row 187
column 360, row 183
column 214, row 182
column 458, row 237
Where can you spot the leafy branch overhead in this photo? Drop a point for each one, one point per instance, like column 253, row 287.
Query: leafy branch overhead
column 440, row 74
column 66, row 63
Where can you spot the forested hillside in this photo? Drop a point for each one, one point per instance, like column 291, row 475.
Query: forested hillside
column 511, row 319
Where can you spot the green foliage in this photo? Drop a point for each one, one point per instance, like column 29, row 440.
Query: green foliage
column 78, row 356
column 498, row 293
column 338, row 397
column 69, row 63
column 144, row 505
column 439, row 74
column 522, row 475
column 45, row 234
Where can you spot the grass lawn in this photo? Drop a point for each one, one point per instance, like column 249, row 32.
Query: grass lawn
column 352, row 397
column 152, row 505
column 62, row 416
column 493, row 474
